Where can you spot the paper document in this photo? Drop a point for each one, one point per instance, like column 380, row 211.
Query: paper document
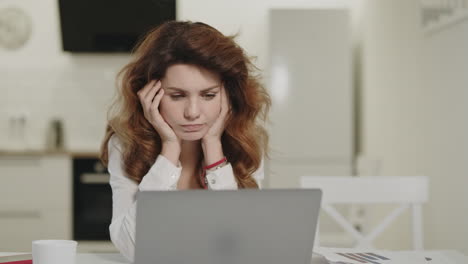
column 372, row 256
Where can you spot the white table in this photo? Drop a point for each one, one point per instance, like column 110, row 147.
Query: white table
column 115, row 258
column 112, row 258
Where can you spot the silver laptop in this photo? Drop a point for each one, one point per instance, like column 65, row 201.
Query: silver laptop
column 226, row 227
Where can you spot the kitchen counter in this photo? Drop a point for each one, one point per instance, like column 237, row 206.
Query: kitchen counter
column 38, row 153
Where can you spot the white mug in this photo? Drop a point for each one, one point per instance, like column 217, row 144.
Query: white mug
column 54, row 251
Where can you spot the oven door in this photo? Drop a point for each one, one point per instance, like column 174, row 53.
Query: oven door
column 92, row 199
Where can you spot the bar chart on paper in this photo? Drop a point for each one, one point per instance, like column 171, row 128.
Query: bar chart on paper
column 372, row 256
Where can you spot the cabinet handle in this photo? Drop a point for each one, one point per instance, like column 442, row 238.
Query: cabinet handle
column 20, row 214
column 95, row 178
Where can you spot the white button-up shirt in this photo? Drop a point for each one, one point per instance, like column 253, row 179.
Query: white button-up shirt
column 163, row 175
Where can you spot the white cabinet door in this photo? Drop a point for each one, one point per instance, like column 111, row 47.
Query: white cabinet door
column 19, row 228
column 20, row 178
column 35, row 199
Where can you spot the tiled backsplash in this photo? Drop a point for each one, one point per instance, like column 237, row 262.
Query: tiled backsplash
column 78, row 92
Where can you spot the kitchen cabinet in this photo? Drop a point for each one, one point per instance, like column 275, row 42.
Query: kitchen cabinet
column 35, row 199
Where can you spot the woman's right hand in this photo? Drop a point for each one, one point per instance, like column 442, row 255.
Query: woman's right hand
column 150, row 97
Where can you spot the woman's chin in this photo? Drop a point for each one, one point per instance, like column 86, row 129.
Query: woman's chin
column 191, row 136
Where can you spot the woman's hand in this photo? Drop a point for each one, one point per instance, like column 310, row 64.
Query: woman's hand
column 216, row 130
column 211, row 141
column 150, row 97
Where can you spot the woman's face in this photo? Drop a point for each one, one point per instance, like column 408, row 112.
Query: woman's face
column 191, row 101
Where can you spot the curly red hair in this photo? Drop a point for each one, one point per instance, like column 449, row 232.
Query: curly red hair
column 245, row 140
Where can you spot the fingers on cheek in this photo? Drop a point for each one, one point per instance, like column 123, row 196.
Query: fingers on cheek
column 161, row 102
column 163, row 95
column 155, row 107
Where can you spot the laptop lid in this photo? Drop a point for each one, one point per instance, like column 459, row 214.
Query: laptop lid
column 226, row 227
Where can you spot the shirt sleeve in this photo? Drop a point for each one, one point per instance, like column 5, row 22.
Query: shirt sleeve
column 163, row 175
column 223, row 178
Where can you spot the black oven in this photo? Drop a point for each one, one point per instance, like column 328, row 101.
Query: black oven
column 92, row 199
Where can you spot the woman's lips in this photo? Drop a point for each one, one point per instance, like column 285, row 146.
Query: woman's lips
column 192, row 128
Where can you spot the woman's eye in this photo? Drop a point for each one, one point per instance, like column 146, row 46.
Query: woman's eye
column 176, row 96
column 210, row 96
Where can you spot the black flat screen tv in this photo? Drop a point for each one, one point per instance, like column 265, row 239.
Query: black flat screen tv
column 110, row 25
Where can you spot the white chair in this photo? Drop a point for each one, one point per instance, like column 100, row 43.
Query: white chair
column 408, row 192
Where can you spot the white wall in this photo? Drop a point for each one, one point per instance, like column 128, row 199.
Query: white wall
column 414, row 114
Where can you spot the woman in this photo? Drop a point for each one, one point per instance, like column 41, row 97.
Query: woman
column 188, row 115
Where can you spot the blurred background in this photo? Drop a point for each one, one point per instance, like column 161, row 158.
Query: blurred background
column 359, row 88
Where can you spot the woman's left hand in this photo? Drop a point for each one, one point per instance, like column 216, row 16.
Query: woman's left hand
column 217, row 129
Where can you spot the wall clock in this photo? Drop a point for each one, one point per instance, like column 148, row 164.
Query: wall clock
column 15, row 28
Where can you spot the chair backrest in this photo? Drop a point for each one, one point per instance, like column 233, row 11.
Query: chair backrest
column 408, row 191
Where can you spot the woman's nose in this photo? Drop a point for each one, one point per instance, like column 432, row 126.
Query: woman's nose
column 192, row 110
